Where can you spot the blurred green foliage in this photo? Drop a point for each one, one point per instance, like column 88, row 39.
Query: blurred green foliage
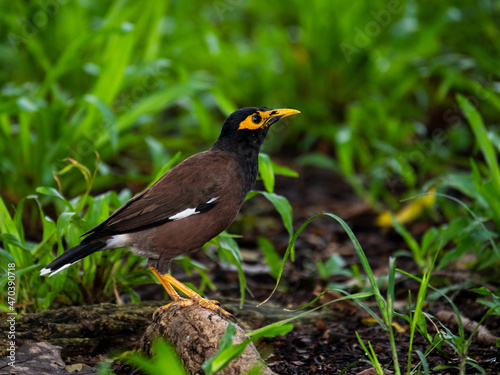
column 374, row 80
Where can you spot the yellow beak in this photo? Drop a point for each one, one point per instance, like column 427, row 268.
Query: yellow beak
column 276, row 114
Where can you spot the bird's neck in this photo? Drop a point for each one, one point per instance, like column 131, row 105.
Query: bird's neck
column 246, row 152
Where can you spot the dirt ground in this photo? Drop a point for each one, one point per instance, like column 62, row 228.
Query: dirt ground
column 327, row 343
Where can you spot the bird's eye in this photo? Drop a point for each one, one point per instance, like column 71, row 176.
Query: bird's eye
column 256, row 119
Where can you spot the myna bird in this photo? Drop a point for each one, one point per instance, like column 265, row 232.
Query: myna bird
column 188, row 206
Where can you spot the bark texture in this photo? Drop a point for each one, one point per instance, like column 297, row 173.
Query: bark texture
column 86, row 330
column 196, row 333
column 98, row 329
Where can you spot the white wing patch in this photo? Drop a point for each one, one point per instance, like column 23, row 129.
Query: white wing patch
column 189, row 211
column 183, row 214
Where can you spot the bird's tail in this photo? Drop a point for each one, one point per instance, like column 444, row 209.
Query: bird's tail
column 72, row 256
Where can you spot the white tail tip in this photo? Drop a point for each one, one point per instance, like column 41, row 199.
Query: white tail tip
column 45, row 271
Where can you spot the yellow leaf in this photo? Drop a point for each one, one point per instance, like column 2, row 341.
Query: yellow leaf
column 74, row 368
column 398, row 328
column 409, row 212
column 369, row 321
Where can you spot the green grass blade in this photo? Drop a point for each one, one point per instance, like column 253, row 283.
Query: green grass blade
column 477, row 125
column 284, row 208
column 423, row 362
column 364, row 261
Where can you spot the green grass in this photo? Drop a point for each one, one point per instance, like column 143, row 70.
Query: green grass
column 99, row 77
column 415, row 315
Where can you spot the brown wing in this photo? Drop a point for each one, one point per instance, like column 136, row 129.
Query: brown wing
column 191, row 184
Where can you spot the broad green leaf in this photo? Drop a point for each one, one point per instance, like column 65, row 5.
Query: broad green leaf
column 11, row 240
column 270, row 254
column 266, row 172
column 54, row 193
column 482, row 290
column 7, row 225
column 283, row 171
column 226, row 356
column 231, row 253
column 228, row 352
column 423, row 362
column 429, row 238
column 283, row 207
column 165, row 360
column 271, row 330
column 63, row 223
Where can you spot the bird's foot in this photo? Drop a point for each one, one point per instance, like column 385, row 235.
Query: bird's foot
column 214, row 306
column 205, row 303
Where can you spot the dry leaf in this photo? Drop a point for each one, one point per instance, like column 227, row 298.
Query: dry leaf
column 75, row 367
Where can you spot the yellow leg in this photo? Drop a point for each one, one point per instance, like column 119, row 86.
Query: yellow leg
column 169, row 282
column 171, row 291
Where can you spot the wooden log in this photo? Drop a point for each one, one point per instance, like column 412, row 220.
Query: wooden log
column 99, row 329
column 196, row 333
column 87, row 330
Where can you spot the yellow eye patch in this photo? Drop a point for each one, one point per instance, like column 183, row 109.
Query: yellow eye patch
column 254, row 121
column 260, row 119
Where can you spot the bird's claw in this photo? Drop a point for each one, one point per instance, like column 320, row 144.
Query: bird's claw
column 205, row 303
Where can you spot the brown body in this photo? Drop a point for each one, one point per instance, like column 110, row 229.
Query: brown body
column 207, row 175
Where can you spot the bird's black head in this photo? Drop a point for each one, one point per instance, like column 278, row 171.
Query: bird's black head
column 248, row 127
column 242, row 135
